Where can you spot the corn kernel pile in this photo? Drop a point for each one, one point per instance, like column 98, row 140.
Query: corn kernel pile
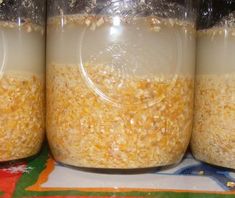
column 22, row 115
column 213, row 139
column 137, row 122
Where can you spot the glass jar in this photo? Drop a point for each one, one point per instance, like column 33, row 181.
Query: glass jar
column 22, row 69
column 120, row 80
column 213, row 139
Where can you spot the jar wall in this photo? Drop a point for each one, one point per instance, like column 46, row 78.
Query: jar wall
column 120, row 78
column 22, row 70
column 213, row 139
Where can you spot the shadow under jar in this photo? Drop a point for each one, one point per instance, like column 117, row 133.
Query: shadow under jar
column 22, row 65
column 120, row 78
column 213, row 139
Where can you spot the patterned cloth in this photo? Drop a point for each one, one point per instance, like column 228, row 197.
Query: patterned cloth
column 41, row 176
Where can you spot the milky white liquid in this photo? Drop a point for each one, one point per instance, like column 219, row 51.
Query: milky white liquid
column 21, row 51
column 216, row 51
column 134, row 47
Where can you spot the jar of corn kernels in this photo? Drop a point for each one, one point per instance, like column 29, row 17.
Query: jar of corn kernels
column 22, row 69
column 213, row 139
column 120, row 80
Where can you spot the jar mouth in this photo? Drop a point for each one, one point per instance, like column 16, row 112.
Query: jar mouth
column 131, row 8
column 14, row 10
column 216, row 14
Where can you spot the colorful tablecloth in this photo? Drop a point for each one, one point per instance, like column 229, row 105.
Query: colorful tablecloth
column 41, row 176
